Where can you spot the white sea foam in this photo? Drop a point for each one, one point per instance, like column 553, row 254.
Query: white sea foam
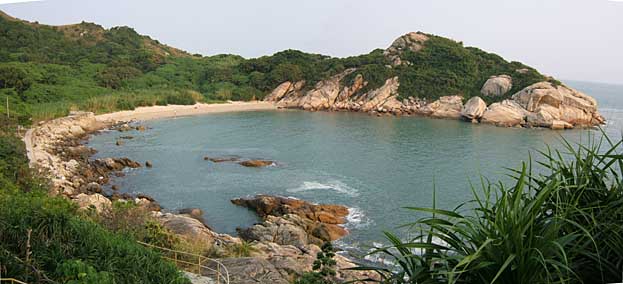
column 356, row 218
column 334, row 185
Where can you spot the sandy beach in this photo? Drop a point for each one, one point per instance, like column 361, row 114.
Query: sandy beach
column 156, row 112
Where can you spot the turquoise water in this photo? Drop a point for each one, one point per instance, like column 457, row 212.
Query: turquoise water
column 373, row 165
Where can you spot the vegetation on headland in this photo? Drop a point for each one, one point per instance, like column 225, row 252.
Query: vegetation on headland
column 560, row 224
column 46, row 71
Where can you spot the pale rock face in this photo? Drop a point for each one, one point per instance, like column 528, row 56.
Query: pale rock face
column 446, row 107
column 548, row 103
column 324, row 94
column 286, row 230
column 375, row 98
column 474, row 108
column 413, row 41
column 506, row 113
column 97, row 201
column 188, row 227
column 293, row 96
column 348, row 92
column 279, row 92
column 497, row 86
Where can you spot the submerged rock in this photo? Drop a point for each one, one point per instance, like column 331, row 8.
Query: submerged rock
column 256, row 163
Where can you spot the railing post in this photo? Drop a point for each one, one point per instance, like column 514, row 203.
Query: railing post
column 218, row 273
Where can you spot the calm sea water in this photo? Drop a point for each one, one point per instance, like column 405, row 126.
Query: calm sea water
column 373, row 165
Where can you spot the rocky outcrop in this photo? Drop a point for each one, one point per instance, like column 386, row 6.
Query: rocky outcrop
column 95, row 201
column 291, row 221
column 549, row 103
column 412, row 41
column 473, row 109
column 506, row 113
column 445, row 107
column 497, row 86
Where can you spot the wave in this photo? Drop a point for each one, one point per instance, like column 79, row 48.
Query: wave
column 357, row 219
column 334, row 185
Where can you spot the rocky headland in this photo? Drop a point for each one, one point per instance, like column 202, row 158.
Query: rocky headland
column 548, row 104
column 284, row 245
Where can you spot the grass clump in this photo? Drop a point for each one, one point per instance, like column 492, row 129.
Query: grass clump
column 560, row 224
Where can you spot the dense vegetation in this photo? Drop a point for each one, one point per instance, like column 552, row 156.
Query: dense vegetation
column 45, row 71
column 45, row 239
column 562, row 225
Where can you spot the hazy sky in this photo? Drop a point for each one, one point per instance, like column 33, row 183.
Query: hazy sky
column 569, row 39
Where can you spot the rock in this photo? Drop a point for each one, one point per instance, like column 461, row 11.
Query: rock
column 221, row 159
column 128, row 137
column 141, row 128
column 376, row 98
column 547, row 102
column 150, row 205
column 474, row 108
column 115, row 187
column 497, row 86
column 324, row 93
column 251, row 270
column 187, row 227
column 445, row 107
column 285, row 220
column 256, row 163
column 96, row 201
column 413, row 41
column 124, row 128
column 93, row 187
column 279, row 92
column 265, row 205
column 506, row 113
column 119, row 143
column 292, row 98
column 194, row 213
column 286, row 230
column 148, row 164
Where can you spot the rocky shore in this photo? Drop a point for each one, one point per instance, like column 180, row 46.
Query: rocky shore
column 547, row 104
column 284, row 245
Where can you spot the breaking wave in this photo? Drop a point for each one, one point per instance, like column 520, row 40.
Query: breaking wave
column 335, row 185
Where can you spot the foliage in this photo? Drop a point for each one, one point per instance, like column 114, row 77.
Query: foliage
column 42, row 238
column 323, row 267
column 558, row 225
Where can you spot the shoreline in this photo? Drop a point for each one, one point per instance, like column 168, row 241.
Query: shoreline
column 169, row 111
column 56, row 149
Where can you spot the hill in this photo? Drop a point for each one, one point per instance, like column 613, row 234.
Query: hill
column 48, row 70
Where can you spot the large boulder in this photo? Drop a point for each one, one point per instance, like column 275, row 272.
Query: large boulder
column 286, row 230
column 506, row 113
column 497, row 86
column 95, row 201
column 548, row 102
column 279, row 92
column 445, row 107
column 187, row 227
column 250, row 270
column 474, row 108
column 413, row 41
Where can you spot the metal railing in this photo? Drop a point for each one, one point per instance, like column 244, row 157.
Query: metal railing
column 194, row 263
column 11, row 280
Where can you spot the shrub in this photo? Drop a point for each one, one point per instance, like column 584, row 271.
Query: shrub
column 561, row 225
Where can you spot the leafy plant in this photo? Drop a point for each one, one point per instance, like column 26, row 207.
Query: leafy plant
column 323, row 267
column 558, row 224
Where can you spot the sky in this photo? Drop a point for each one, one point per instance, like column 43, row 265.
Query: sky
column 568, row 39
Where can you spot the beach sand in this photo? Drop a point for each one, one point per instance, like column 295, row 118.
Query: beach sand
column 156, row 112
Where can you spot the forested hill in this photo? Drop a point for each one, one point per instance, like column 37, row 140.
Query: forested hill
column 48, row 70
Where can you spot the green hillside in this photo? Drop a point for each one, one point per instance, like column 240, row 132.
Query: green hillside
column 48, row 70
